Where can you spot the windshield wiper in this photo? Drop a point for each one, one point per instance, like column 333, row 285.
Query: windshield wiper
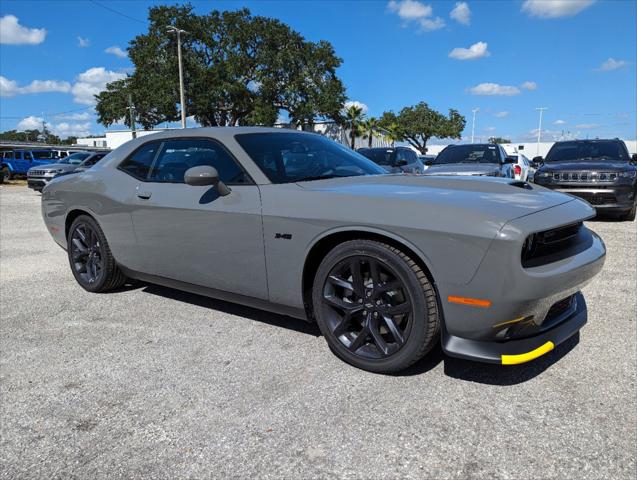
column 318, row 177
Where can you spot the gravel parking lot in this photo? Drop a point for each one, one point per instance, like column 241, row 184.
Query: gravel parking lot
column 151, row 382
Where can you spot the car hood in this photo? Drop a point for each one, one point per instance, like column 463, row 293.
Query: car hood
column 492, row 200
column 605, row 166
column 463, row 169
column 65, row 167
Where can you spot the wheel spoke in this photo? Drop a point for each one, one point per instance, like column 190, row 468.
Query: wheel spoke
column 388, row 287
column 340, row 282
column 379, row 340
column 357, row 278
column 80, row 245
column 360, row 339
column 401, row 308
column 342, row 304
column 341, row 327
column 395, row 330
column 374, row 271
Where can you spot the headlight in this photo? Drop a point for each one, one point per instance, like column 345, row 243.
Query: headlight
column 627, row 174
column 543, row 174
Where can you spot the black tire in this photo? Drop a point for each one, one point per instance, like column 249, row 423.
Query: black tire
column 399, row 320
column 630, row 215
column 90, row 257
column 5, row 174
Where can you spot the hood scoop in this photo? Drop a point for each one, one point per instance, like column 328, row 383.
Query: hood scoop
column 521, row 184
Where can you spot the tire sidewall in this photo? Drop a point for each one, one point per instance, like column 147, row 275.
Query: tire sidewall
column 419, row 323
column 96, row 286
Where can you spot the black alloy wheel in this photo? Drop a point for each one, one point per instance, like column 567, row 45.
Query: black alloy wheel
column 375, row 306
column 90, row 257
column 86, row 254
column 370, row 307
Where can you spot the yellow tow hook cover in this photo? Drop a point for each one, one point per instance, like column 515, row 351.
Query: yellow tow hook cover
column 528, row 356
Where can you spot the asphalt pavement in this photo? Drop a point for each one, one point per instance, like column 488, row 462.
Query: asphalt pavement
column 149, row 382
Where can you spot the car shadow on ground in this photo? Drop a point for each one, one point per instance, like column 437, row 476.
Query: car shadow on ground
column 453, row 367
column 234, row 309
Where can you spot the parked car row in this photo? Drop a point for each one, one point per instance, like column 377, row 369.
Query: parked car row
column 599, row 171
column 38, row 177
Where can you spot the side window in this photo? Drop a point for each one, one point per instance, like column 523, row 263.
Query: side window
column 177, row 156
column 28, row 156
column 402, row 155
column 93, row 160
column 138, row 164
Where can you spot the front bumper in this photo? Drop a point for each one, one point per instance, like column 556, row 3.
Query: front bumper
column 523, row 308
column 603, row 197
column 513, row 352
column 38, row 183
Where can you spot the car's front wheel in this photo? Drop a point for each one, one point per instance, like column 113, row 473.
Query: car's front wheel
column 5, row 175
column 375, row 306
column 90, row 257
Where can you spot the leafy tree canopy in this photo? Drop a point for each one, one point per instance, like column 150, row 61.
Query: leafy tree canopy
column 499, row 140
column 419, row 123
column 239, row 69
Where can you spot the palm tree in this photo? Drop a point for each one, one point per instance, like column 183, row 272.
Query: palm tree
column 371, row 129
column 353, row 118
column 392, row 133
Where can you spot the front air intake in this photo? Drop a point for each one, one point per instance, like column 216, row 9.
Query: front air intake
column 556, row 244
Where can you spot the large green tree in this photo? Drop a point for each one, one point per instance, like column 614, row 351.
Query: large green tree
column 418, row 124
column 239, row 69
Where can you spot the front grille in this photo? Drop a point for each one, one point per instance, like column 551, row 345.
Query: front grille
column 584, row 177
column 37, row 173
column 597, row 198
column 559, row 311
column 555, row 244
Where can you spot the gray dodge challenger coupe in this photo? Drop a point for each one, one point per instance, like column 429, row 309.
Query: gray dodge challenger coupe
column 297, row 224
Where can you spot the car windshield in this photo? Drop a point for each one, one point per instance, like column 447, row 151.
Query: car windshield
column 44, row 155
column 468, row 154
column 380, row 156
column 74, row 159
column 293, row 157
column 568, row 151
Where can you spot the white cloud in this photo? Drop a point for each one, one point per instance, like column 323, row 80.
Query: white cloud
column 461, row 13
column 587, row 125
column 92, row 82
column 413, row 11
column 29, row 123
column 529, row 86
column 559, row 122
column 65, row 129
column 10, row 88
column 612, row 64
column 358, row 104
column 477, row 50
column 12, row 33
column 83, row 42
column 115, row 50
column 491, row 89
column 489, row 129
column 555, row 8
column 501, row 114
column 74, row 116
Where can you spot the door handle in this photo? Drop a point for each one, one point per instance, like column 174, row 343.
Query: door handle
column 144, row 195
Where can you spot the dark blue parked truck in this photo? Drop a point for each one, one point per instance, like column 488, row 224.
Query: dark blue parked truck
column 17, row 162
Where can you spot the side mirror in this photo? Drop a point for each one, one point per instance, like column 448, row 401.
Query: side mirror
column 204, row 176
column 537, row 162
column 429, row 163
column 634, row 158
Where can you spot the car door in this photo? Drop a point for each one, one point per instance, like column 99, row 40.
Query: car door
column 21, row 163
column 192, row 234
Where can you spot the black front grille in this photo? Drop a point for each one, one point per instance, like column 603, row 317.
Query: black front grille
column 597, row 198
column 584, row 177
column 555, row 244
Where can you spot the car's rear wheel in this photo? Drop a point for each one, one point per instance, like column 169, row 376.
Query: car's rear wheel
column 91, row 260
column 375, row 306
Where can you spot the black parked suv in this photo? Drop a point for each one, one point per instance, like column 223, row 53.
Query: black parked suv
column 394, row 159
column 599, row 171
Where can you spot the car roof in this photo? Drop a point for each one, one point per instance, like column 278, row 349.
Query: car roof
column 220, row 133
column 592, row 140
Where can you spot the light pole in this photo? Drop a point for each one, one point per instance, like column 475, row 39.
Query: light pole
column 182, row 100
column 473, row 123
column 539, row 130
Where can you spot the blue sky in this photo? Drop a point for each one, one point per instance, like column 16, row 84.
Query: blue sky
column 576, row 57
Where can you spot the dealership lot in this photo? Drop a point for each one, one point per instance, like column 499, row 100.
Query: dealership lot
column 151, row 382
